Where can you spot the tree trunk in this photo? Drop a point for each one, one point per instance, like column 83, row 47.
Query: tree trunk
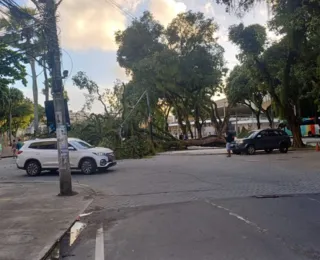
column 35, row 94
column 189, row 128
column 199, row 129
column 258, row 120
column 294, row 125
column 269, row 116
column 182, row 126
column 296, row 135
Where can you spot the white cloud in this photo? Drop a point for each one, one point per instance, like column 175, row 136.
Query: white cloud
column 165, row 10
column 120, row 74
column 222, row 35
column 208, row 9
column 92, row 24
column 89, row 24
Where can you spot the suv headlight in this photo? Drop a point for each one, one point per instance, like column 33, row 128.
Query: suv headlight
column 239, row 141
column 100, row 154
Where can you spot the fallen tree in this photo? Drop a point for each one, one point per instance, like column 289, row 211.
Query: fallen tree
column 207, row 141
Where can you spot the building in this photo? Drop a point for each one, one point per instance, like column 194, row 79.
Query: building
column 77, row 117
column 241, row 117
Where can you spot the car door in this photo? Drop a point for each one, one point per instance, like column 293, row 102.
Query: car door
column 50, row 149
column 74, row 156
column 261, row 140
column 274, row 139
column 46, row 152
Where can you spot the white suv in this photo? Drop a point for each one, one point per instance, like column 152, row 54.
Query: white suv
column 42, row 154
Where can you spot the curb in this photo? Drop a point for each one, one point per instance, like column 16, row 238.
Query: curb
column 47, row 250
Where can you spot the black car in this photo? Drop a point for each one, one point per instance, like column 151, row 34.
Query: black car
column 266, row 139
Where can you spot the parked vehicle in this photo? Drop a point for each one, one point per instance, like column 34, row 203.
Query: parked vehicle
column 42, row 154
column 267, row 140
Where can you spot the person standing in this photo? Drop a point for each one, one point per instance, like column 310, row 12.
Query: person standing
column 229, row 140
column 19, row 144
column 0, row 150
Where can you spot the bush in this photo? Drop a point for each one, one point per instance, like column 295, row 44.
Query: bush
column 134, row 147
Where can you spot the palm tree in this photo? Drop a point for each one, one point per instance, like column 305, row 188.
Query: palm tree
column 24, row 35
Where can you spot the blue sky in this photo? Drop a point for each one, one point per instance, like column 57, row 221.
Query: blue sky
column 87, row 35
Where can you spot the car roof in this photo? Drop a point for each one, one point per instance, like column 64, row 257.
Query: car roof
column 50, row 140
column 276, row 129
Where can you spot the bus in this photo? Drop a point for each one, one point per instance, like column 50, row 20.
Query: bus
column 308, row 127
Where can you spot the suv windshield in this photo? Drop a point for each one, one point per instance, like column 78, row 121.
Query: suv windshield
column 250, row 135
column 82, row 145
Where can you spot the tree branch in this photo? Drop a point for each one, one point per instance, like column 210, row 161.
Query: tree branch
column 57, row 5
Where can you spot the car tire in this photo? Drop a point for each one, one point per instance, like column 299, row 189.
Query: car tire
column 283, row 148
column 33, row 168
column 251, row 150
column 88, row 166
column 268, row 150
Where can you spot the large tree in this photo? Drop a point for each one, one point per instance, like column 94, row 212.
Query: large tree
column 275, row 67
column 243, row 87
column 23, row 33
column 12, row 69
column 180, row 67
column 201, row 64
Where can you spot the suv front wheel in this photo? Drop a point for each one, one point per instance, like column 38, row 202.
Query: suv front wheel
column 33, row 168
column 88, row 166
column 283, row 148
column 251, row 150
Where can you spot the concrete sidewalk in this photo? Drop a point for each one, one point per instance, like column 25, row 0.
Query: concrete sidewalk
column 33, row 217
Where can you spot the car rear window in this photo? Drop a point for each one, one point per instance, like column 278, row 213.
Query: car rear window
column 45, row 145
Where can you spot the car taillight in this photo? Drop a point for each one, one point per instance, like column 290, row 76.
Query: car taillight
column 20, row 152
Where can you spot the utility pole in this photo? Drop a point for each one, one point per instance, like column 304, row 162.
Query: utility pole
column 149, row 116
column 51, row 36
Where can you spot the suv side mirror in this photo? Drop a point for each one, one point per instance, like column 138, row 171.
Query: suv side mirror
column 70, row 148
column 258, row 136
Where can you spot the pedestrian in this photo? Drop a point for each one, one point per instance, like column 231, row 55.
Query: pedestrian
column 0, row 150
column 14, row 148
column 19, row 144
column 229, row 140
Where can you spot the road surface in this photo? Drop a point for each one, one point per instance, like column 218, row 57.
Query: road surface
column 200, row 207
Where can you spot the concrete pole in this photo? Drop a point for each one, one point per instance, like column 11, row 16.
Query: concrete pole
column 58, row 98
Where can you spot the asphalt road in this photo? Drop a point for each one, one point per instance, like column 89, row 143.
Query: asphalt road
column 200, row 207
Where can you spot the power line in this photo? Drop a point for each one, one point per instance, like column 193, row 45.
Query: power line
column 125, row 12
column 70, row 72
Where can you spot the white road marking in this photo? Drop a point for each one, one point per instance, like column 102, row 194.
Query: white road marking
column 99, row 253
column 248, row 222
column 317, row 201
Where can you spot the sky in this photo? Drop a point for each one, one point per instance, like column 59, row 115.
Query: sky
column 87, row 29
